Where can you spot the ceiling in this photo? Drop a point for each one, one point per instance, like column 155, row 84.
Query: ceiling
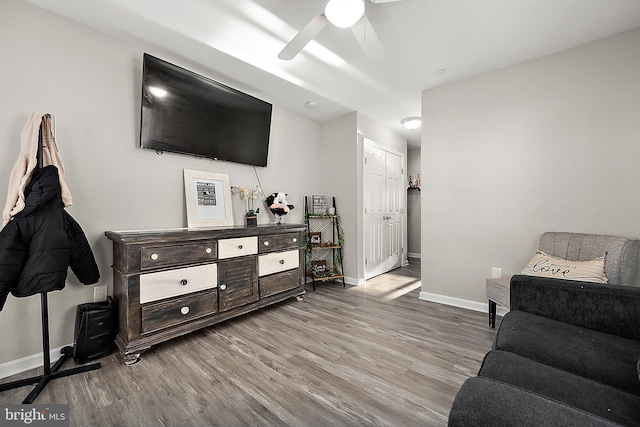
column 428, row 43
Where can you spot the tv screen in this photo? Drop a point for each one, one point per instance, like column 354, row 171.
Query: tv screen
column 184, row 112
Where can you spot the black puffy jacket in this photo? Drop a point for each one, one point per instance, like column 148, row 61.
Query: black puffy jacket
column 42, row 241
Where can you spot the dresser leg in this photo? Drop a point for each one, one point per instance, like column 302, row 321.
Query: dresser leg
column 131, row 359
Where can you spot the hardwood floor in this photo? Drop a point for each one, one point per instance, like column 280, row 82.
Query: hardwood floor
column 368, row 355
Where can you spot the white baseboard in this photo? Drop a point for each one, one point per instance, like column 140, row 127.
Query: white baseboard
column 26, row 363
column 347, row 280
column 461, row 303
column 413, row 255
column 353, row 281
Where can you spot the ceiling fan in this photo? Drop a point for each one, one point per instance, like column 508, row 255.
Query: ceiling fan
column 342, row 14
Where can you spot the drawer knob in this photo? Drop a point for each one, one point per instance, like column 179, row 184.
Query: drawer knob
column 208, row 250
column 184, row 310
column 281, row 261
column 295, row 240
column 183, row 282
column 266, row 243
column 223, row 287
column 155, row 256
column 239, row 246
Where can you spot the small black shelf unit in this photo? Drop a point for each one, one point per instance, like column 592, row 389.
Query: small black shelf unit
column 323, row 245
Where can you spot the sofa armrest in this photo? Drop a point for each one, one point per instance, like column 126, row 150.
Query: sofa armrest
column 485, row 402
column 605, row 308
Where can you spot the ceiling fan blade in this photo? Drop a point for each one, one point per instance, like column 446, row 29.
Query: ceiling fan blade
column 303, row 38
column 368, row 39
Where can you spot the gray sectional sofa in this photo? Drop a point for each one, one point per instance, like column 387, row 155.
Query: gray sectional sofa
column 567, row 354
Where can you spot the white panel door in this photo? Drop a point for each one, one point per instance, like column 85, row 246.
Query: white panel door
column 383, row 210
column 394, row 190
column 374, row 211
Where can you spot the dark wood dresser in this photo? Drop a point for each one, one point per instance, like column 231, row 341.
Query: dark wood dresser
column 167, row 283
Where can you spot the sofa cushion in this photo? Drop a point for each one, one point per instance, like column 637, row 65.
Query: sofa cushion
column 603, row 357
column 486, row 402
column 574, row 390
column 611, row 309
column 545, row 265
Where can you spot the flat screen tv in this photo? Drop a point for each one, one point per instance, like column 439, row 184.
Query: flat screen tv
column 184, row 112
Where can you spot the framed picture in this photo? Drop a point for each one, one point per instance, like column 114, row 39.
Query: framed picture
column 320, row 266
column 319, row 204
column 208, row 198
column 315, row 237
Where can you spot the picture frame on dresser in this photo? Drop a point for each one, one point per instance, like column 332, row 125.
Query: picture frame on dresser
column 208, row 199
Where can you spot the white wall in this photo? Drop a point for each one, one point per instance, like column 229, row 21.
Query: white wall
column 546, row 145
column 91, row 83
column 339, row 177
column 381, row 135
column 414, row 201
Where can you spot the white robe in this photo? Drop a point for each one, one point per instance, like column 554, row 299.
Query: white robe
column 27, row 162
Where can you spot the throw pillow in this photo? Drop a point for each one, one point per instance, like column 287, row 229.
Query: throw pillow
column 545, row 265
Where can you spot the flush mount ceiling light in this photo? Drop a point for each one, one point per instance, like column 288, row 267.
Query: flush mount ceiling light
column 158, row 91
column 344, row 13
column 411, row 123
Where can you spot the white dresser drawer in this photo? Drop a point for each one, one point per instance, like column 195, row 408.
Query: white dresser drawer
column 278, row 261
column 231, row 248
column 181, row 281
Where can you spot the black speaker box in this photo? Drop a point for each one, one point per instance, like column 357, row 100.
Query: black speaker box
column 95, row 331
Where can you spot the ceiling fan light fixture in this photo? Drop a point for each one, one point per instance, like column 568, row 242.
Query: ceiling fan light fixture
column 344, row 13
column 411, row 123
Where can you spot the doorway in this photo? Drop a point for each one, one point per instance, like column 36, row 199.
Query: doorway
column 384, row 200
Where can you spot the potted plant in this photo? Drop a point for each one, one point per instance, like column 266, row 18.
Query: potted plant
column 249, row 196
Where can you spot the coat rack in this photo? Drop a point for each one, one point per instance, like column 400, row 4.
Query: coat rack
column 49, row 372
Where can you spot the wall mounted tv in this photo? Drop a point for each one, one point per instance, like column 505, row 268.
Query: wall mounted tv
column 184, row 112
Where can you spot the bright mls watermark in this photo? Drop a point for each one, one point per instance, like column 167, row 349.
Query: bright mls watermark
column 34, row 415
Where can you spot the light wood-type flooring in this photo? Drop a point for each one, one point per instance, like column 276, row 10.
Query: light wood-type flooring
column 372, row 355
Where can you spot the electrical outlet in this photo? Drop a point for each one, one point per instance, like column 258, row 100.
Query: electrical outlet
column 496, row 272
column 100, row 293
